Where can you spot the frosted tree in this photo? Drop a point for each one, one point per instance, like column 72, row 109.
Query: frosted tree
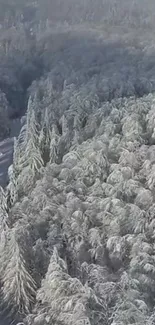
column 46, row 134
column 130, row 307
column 12, row 190
column 64, row 123
column 18, row 286
column 14, row 171
column 29, row 158
column 67, row 300
column 100, row 280
column 3, row 209
column 76, row 130
column 54, row 145
column 142, row 265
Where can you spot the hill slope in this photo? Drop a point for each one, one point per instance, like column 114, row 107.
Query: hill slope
column 77, row 214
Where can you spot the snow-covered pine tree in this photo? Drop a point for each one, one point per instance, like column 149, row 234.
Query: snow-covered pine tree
column 130, row 307
column 29, row 158
column 54, row 145
column 66, row 300
column 18, row 286
column 12, row 190
column 3, row 209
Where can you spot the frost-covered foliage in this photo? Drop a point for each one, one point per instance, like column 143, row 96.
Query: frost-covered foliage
column 89, row 206
column 77, row 225
column 18, row 286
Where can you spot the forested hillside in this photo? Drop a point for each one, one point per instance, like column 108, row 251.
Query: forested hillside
column 77, row 237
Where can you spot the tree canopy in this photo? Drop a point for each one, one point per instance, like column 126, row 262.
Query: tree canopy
column 77, row 212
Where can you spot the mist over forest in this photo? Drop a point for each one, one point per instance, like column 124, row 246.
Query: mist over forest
column 77, row 162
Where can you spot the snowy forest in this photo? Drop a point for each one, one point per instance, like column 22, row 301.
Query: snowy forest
column 77, row 208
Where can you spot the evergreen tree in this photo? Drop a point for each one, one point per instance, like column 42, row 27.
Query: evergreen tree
column 68, row 301
column 18, row 286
